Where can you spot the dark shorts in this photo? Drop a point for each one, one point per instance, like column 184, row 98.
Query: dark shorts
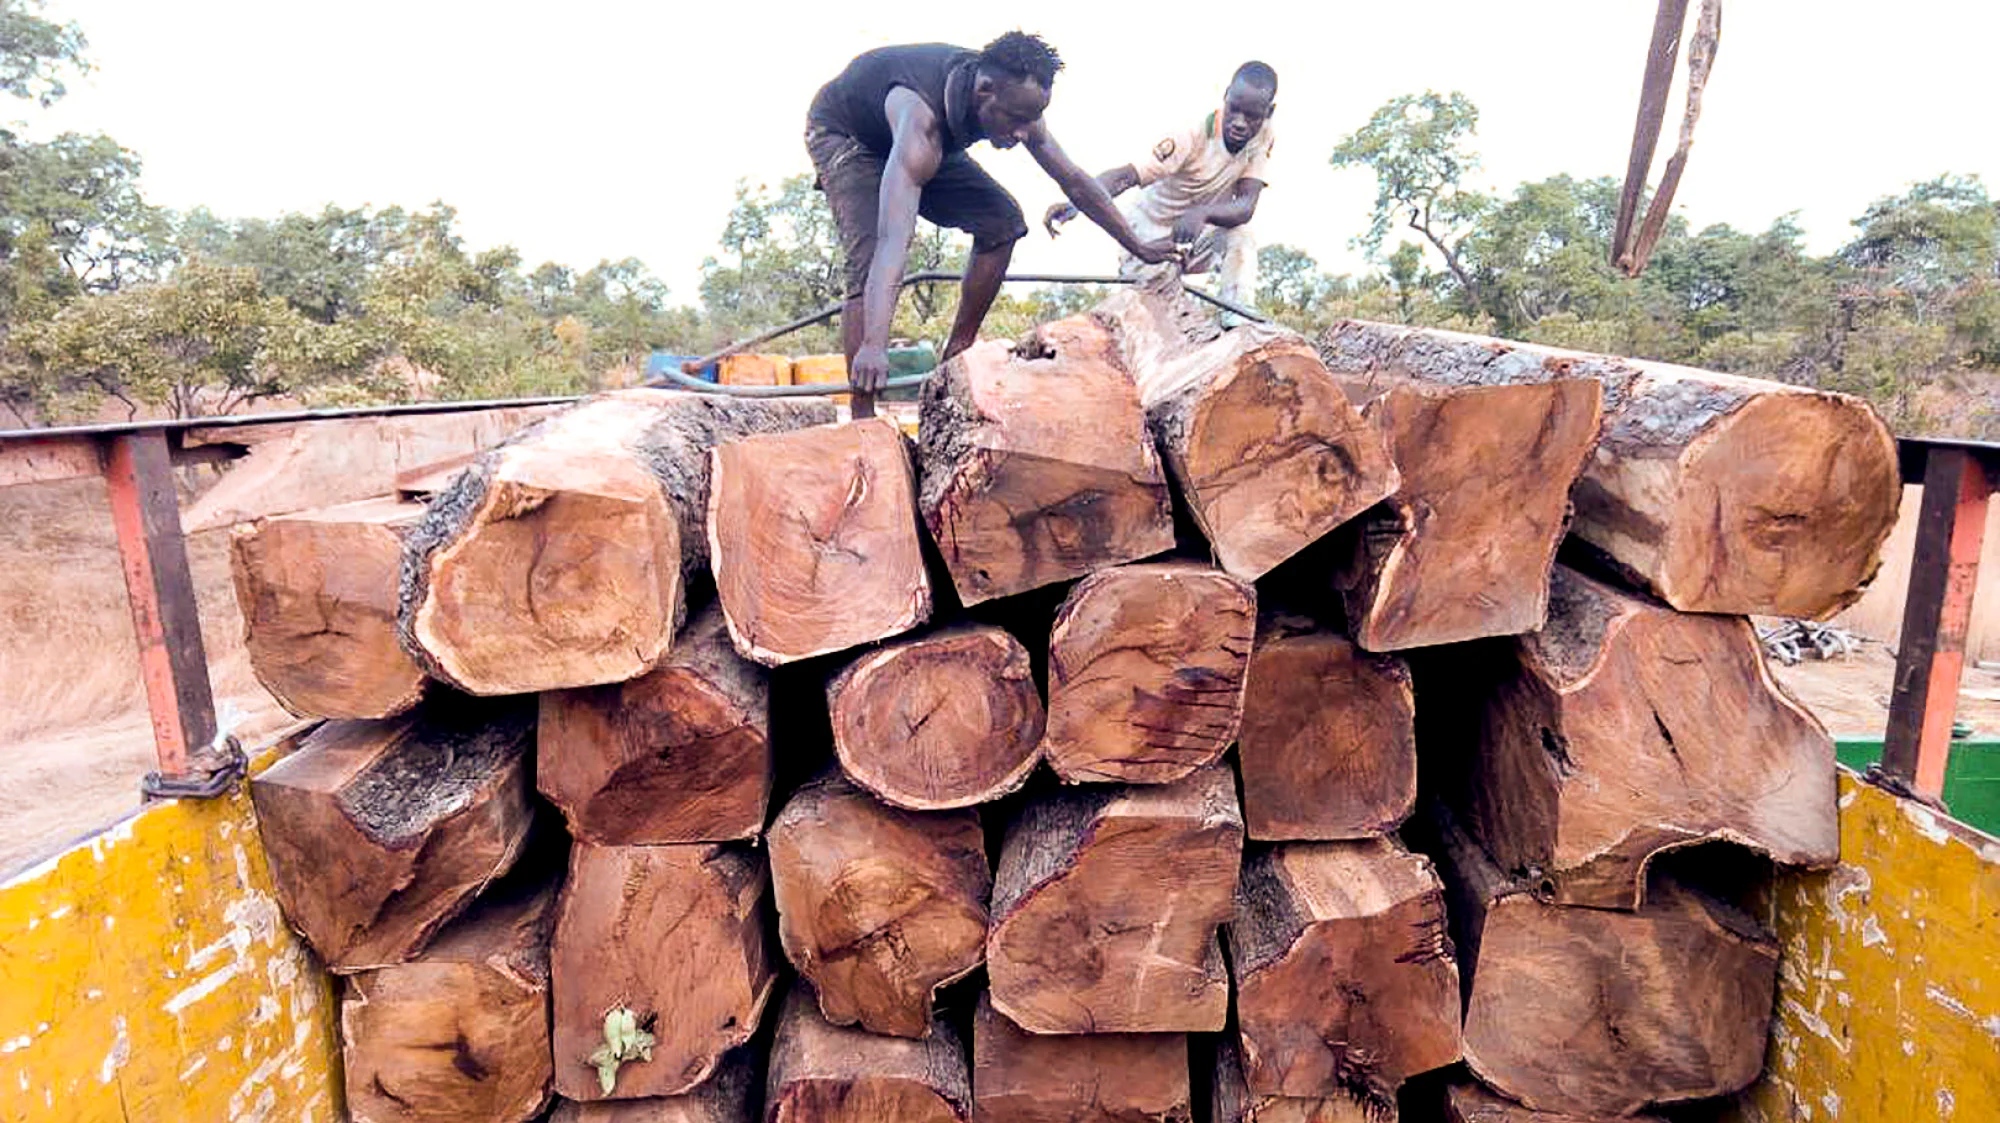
column 961, row 195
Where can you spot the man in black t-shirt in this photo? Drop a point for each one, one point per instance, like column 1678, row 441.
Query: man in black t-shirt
column 888, row 138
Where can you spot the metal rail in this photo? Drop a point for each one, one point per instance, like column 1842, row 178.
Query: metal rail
column 932, row 276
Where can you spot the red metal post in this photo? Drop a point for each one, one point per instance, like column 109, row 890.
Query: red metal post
column 1951, row 527
column 165, row 622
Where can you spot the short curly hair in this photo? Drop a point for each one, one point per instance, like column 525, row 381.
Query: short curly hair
column 1020, row 55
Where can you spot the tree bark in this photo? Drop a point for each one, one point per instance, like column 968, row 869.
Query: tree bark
column 1106, row 906
column 1623, row 730
column 951, row 719
column 378, row 832
column 1267, row 450
column 1488, row 450
column 1345, row 985
column 726, row 1097
column 1328, row 745
column 877, row 907
column 560, row 558
column 1597, row 1012
column 1666, row 496
column 1091, row 1078
column 674, row 934
column 318, row 594
column 814, row 536
column 680, row 754
column 461, row 1033
column 1467, row 1102
column 1146, row 672
column 822, row 1073
column 1233, row 1102
column 1037, row 467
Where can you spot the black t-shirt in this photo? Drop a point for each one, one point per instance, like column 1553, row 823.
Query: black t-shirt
column 853, row 102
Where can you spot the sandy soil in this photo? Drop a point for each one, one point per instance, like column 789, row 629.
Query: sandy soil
column 1851, row 695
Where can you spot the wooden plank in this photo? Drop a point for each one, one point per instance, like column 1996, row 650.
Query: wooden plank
column 165, row 622
column 1951, row 527
column 36, row 460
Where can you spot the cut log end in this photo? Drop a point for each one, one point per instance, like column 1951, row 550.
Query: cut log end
column 1146, row 673
column 1801, row 535
column 1328, row 744
column 1021, row 1077
column 681, row 754
column 1466, row 1102
column 462, row 1031
column 1626, row 729
column 1232, row 1101
column 1037, row 466
column 1345, row 982
column 318, row 594
column 423, row 811
column 944, row 721
column 675, row 935
column 1089, row 937
column 822, row 1073
column 813, row 536
column 877, row 907
column 726, row 1097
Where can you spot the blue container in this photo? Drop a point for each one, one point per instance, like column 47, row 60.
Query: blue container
column 660, row 361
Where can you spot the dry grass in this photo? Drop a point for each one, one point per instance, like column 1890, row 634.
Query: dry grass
column 74, row 738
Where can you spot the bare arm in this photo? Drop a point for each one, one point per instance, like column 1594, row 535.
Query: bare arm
column 1089, row 194
column 1115, row 182
column 1239, row 207
column 913, row 159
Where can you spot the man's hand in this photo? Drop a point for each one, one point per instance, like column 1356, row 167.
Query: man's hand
column 1152, row 253
column 1188, row 227
column 1058, row 214
column 869, row 372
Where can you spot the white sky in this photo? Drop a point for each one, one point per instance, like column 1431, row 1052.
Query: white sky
column 593, row 129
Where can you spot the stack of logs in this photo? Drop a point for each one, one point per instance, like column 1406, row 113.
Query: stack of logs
column 683, row 753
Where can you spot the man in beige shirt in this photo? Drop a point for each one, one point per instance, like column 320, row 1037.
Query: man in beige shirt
column 1200, row 186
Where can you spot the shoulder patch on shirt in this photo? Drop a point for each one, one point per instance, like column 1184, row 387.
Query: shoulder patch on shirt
column 1163, row 149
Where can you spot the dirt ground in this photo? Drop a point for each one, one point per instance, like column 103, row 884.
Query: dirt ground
column 74, row 737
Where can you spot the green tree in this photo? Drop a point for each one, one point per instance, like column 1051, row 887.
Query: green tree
column 1933, row 238
column 36, row 52
column 1418, row 147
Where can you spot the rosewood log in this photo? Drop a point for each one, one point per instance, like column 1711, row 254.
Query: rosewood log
column 1146, row 672
column 878, row 907
column 1037, row 467
column 378, row 832
column 679, row 754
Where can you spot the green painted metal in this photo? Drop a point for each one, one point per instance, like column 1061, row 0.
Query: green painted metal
column 1971, row 778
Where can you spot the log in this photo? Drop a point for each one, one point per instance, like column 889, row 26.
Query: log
column 1267, row 450
column 878, row 907
column 560, row 558
column 1624, row 730
column 680, row 754
column 459, row 1034
column 1598, row 1012
column 1488, row 452
column 1328, row 745
column 318, row 595
column 726, row 1097
column 414, row 815
column 950, row 719
column 1667, row 495
column 1036, row 464
column 1146, row 672
column 1345, row 984
column 1466, row 1102
column 815, row 541
column 1106, row 906
column 1092, row 1078
column 1233, row 1101
column 675, row 935
column 823, row 1073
